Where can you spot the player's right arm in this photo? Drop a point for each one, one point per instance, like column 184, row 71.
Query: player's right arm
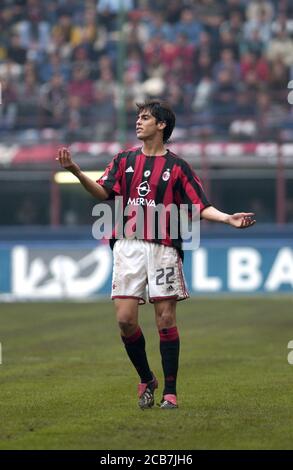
column 94, row 188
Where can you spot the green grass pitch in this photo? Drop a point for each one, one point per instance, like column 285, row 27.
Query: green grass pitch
column 66, row 382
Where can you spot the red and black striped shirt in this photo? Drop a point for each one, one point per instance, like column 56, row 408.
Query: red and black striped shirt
column 148, row 181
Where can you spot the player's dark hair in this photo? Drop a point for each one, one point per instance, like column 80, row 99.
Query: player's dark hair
column 162, row 112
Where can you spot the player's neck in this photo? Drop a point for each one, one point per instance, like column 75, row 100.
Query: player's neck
column 153, row 148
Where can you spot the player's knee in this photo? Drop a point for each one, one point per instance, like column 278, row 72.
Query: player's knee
column 127, row 326
column 126, row 319
column 166, row 319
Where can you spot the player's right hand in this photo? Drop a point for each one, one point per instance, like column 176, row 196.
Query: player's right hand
column 64, row 158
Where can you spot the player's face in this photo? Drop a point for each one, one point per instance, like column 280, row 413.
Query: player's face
column 146, row 125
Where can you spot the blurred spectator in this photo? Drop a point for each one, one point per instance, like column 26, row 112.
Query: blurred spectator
column 64, row 27
column 173, row 11
column 134, row 63
column 178, row 74
column 228, row 63
column 270, row 116
column 257, row 8
column 243, row 126
column 252, row 85
column 281, row 47
column 235, row 7
column 28, row 106
column 206, row 45
column 260, row 23
column 135, row 30
column 87, row 31
column 189, row 26
column 8, row 108
column 59, row 44
column 53, row 65
column 175, row 96
column 278, row 76
column 169, row 54
column 105, row 63
column 53, row 102
column 250, row 62
column 245, row 109
column 103, row 112
column 113, row 6
column 223, row 99
column 153, row 57
column 7, row 25
column 34, row 31
column 108, row 10
column 155, row 68
column 186, row 52
column 75, row 119
column 133, row 93
column 82, row 58
column 158, row 25
column 152, row 87
column 227, row 40
column 81, row 86
column 233, row 24
column 15, row 52
column 253, row 44
column 210, row 14
column 203, row 93
column 284, row 22
column 10, row 70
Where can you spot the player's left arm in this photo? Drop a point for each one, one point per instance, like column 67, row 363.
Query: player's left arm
column 191, row 191
column 237, row 220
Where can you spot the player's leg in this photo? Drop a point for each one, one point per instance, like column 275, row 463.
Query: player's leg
column 132, row 336
column 128, row 291
column 165, row 311
column 166, row 287
column 134, row 342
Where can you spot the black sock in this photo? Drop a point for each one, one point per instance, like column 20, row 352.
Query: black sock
column 169, row 348
column 135, row 347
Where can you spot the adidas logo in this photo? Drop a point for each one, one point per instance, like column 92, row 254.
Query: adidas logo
column 170, row 288
column 129, row 170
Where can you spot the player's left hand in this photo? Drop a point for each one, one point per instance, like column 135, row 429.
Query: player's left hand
column 242, row 219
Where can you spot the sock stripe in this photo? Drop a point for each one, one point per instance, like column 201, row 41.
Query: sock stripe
column 132, row 338
column 169, row 334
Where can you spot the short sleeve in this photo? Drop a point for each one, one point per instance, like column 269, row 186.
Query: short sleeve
column 111, row 179
column 189, row 189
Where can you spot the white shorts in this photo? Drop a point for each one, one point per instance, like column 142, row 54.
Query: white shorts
column 140, row 265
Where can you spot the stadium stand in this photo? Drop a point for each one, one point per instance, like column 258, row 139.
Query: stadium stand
column 223, row 65
column 220, row 64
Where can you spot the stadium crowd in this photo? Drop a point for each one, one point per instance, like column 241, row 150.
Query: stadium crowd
column 224, row 65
